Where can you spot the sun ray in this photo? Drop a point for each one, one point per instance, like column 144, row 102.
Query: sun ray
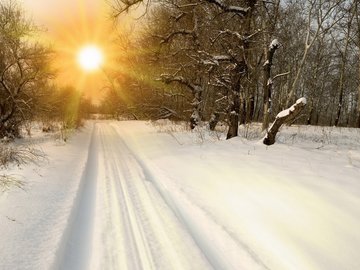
column 83, row 22
column 90, row 58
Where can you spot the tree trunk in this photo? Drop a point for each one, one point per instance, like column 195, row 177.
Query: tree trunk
column 283, row 117
column 196, row 117
column 214, row 120
column 267, row 81
column 342, row 72
column 243, row 110
column 358, row 104
column 234, row 112
column 311, row 114
column 8, row 129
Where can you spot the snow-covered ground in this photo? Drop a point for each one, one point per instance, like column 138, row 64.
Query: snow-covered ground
column 137, row 195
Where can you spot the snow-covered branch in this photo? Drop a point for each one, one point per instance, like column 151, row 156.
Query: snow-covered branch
column 268, row 81
column 180, row 32
column 229, row 8
column 241, row 38
column 282, row 117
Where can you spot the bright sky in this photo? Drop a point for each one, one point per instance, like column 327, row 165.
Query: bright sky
column 70, row 25
column 54, row 11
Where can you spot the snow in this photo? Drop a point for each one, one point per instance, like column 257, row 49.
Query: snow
column 301, row 100
column 221, row 57
column 138, row 195
column 238, row 9
column 274, row 44
column 286, row 112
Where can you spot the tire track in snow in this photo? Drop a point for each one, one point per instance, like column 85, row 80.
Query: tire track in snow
column 137, row 230
column 124, row 217
column 199, row 224
column 139, row 256
column 75, row 248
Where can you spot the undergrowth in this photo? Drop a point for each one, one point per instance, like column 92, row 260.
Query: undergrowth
column 9, row 181
column 18, row 156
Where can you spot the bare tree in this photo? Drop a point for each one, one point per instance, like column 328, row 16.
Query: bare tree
column 321, row 16
column 348, row 19
column 357, row 29
column 22, row 65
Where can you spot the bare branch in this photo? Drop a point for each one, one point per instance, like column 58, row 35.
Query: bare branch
column 281, row 75
column 285, row 116
column 228, row 8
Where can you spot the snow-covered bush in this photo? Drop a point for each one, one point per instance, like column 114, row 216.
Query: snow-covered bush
column 9, row 181
column 17, row 155
column 20, row 155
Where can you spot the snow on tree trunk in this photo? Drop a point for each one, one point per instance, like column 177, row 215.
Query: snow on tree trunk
column 284, row 116
column 214, row 120
column 268, row 82
column 194, row 119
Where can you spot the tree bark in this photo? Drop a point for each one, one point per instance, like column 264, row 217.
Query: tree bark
column 358, row 105
column 195, row 117
column 214, row 120
column 235, row 106
column 240, row 71
column 283, row 117
column 267, row 81
column 358, row 28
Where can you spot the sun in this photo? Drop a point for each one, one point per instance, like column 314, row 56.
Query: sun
column 90, row 57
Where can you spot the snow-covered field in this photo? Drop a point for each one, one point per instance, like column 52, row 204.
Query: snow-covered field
column 137, row 195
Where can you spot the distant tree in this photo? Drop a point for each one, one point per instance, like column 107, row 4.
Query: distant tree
column 320, row 16
column 356, row 11
column 343, row 49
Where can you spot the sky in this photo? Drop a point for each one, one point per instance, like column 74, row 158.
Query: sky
column 55, row 11
column 68, row 26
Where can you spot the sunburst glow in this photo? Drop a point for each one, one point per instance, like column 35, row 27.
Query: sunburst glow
column 90, row 58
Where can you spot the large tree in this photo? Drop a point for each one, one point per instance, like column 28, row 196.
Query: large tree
column 23, row 66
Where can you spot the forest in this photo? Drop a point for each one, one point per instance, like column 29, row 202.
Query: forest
column 244, row 61
column 206, row 61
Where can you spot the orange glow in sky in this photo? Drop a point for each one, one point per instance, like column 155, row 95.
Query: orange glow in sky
column 70, row 25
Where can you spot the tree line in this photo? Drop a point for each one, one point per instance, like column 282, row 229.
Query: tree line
column 242, row 61
column 203, row 61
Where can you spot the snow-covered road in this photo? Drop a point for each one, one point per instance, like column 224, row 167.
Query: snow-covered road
column 124, row 196
column 121, row 221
